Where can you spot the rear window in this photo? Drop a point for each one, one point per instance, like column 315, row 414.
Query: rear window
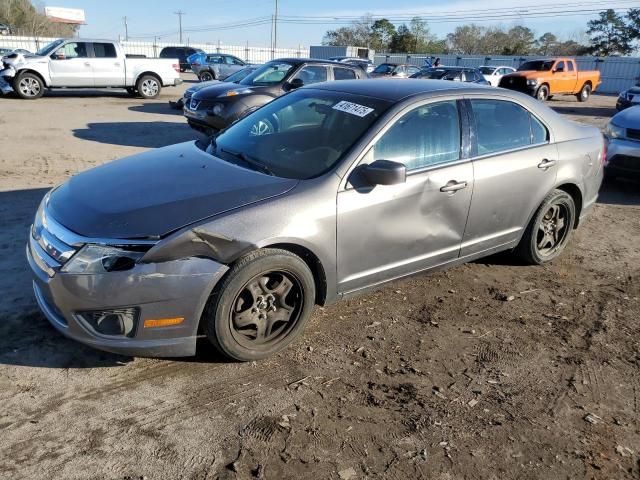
column 104, row 50
column 343, row 74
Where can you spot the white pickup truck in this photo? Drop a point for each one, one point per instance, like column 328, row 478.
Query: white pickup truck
column 81, row 63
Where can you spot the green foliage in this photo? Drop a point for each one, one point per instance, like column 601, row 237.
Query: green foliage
column 609, row 34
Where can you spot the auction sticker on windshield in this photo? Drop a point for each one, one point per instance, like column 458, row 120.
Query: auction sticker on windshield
column 353, row 108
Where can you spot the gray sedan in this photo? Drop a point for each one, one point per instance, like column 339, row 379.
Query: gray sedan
column 354, row 184
column 623, row 132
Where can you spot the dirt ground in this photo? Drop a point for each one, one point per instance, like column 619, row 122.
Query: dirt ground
column 437, row 376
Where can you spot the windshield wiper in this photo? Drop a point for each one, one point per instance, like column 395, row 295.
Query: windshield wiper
column 257, row 165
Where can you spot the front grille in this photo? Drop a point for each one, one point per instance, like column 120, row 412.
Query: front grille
column 515, row 83
column 625, row 161
column 633, row 134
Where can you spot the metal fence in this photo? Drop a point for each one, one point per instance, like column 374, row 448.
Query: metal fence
column 617, row 73
column 152, row 49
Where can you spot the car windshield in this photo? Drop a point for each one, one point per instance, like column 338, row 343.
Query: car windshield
column 487, row 70
column 48, row 48
column 270, row 73
column 300, row 135
column 537, row 65
column 385, row 68
column 240, row 75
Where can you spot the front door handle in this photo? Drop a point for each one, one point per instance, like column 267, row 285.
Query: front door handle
column 87, row 64
column 453, row 186
column 545, row 164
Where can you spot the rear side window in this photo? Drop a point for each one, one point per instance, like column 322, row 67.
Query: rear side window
column 503, row 126
column 168, row 52
column 214, row 59
column 343, row 74
column 104, row 50
column 570, row 66
column 428, row 135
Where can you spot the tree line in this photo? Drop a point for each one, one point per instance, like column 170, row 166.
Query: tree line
column 609, row 34
column 25, row 19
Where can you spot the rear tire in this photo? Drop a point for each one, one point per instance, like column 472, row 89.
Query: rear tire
column 148, row 87
column 262, row 304
column 543, row 93
column 28, row 86
column 206, row 76
column 585, row 93
column 549, row 230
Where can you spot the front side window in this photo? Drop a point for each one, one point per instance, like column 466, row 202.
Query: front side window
column 560, row 67
column 412, row 70
column 73, row 50
column 312, row 74
column 426, row 136
column 537, row 65
column 487, row 70
column 299, row 135
column 343, row 74
column 503, row 126
column 104, row 50
column 385, row 68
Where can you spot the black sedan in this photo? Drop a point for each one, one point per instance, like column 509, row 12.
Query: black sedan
column 456, row 74
column 629, row 98
column 218, row 106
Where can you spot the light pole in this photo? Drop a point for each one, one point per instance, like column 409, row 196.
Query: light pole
column 126, row 29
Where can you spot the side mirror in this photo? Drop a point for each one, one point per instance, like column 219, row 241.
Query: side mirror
column 385, row 172
column 58, row 56
column 294, row 84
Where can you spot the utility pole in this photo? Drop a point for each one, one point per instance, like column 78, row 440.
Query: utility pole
column 275, row 28
column 126, row 29
column 180, row 13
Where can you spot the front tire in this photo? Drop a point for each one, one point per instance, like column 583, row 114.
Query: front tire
column 148, row 87
column 543, row 93
column 549, row 230
column 585, row 93
column 261, row 306
column 28, row 86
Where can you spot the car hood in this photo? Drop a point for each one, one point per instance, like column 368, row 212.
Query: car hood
column 215, row 91
column 628, row 118
column 527, row 74
column 202, row 85
column 634, row 90
column 157, row 192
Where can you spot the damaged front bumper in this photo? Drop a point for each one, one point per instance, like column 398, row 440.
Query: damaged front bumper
column 150, row 293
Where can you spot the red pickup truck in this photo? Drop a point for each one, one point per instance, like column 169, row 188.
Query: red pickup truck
column 547, row 77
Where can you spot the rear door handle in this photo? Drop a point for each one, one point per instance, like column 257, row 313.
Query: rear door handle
column 545, row 164
column 453, row 186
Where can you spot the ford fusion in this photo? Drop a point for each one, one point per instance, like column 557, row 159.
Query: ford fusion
column 325, row 192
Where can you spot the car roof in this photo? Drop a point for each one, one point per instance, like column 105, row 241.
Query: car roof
column 395, row 89
column 445, row 67
column 311, row 60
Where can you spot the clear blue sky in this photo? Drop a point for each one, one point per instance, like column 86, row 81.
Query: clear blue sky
column 149, row 17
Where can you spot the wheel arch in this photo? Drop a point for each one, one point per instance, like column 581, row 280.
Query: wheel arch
column 34, row 72
column 314, row 264
column 576, row 194
column 152, row 74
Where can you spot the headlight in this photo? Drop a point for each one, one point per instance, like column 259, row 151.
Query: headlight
column 92, row 259
column 614, row 131
column 532, row 82
column 240, row 91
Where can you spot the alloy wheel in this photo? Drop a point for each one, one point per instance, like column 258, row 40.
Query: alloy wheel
column 266, row 309
column 150, row 87
column 29, row 87
column 553, row 229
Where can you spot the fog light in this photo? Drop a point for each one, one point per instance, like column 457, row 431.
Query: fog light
column 118, row 322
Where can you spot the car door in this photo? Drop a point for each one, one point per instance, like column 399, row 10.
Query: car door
column 389, row 231
column 108, row 69
column 70, row 66
column 563, row 79
column 514, row 166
